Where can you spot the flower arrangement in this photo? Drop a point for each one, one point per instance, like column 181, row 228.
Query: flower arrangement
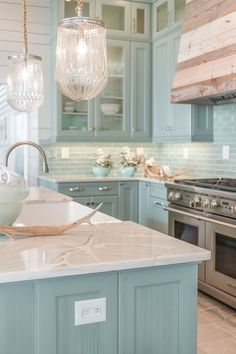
column 103, row 159
column 131, row 159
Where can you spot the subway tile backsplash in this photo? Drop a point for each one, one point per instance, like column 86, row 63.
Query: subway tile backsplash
column 204, row 159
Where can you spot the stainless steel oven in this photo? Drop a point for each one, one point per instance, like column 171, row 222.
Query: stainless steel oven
column 188, row 229
column 206, row 217
column 221, row 269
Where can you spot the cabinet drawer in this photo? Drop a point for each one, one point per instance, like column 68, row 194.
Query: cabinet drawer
column 158, row 190
column 89, row 189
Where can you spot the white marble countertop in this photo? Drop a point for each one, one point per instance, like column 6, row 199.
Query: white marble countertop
column 109, row 245
column 43, row 195
column 83, row 178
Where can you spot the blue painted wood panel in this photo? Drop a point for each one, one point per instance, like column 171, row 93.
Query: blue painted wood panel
column 157, row 311
column 17, row 318
column 57, row 333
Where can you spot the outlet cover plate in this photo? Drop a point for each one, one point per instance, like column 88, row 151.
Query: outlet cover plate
column 90, row 311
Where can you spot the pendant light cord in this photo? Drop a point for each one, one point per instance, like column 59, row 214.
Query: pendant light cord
column 25, row 29
column 79, row 8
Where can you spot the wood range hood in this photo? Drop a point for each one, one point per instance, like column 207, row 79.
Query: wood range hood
column 206, row 69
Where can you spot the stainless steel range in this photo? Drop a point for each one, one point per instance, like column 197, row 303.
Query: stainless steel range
column 203, row 212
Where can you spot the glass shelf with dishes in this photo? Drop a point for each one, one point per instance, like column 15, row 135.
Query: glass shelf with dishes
column 74, row 115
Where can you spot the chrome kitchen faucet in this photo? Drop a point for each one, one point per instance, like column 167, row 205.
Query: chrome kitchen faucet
column 39, row 148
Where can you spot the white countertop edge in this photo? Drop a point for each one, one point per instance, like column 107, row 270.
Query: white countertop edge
column 108, row 267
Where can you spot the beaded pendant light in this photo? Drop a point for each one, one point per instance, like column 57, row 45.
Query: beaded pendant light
column 81, row 58
column 25, row 78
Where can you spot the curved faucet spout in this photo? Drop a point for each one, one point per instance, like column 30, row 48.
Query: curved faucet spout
column 31, row 143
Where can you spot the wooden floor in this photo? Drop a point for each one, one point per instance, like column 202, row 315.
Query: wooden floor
column 216, row 327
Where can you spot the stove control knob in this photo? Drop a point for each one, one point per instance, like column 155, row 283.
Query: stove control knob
column 205, row 203
column 171, row 196
column 177, row 196
column 197, row 201
column 191, row 204
column 214, row 204
column 233, row 209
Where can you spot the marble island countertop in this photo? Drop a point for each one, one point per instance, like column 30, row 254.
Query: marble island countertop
column 43, row 195
column 109, row 245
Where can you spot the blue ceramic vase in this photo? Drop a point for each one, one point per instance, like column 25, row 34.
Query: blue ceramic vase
column 101, row 171
column 128, row 171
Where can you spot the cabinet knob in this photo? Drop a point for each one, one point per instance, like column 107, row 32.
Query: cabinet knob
column 134, row 130
column 170, row 128
column 76, row 189
column 87, row 203
column 91, row 129
column 105, row 188
column 167, row 129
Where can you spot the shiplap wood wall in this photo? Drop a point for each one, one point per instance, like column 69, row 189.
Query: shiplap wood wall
column 11, row 41
column 207, row 54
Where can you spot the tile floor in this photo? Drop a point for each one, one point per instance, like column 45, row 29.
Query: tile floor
column 216, row 327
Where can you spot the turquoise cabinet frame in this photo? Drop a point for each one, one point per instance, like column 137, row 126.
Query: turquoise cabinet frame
column 148, row 310
column 128, row 205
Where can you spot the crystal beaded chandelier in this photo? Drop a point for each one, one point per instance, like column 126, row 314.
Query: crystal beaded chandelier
column 81, row 58
column 25, row 78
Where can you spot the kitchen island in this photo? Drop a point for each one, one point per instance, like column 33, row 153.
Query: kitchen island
column 145, row 280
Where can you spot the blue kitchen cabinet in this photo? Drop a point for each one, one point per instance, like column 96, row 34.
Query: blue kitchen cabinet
column 110, row 204
column 175, row 122
column 144, row 203
column 128, row 87
column 18, row 318
column 148, row 310
column 57, row 333
column 93, row 193
column 128, row 203
column 152, row 201
column 166, row 14
column 158, row 311
column 140, row 90
column 125, row 19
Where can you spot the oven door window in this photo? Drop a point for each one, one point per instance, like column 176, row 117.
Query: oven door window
column 186, row 232
column 225, row 248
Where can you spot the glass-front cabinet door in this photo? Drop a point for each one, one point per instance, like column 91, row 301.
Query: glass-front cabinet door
column 77, row 118
column 115, row 15
column 112, row 106
column 140, row 21
column 178, row 10
column 161, row 16
column 167, row 13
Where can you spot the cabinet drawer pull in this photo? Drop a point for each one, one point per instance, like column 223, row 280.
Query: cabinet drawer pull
column 105, row 188
column 87, row 203
column 76, row 189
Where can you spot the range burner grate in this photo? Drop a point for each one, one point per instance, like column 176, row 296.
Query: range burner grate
column 225, row 184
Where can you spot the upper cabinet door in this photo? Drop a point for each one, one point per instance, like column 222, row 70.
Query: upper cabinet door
column 140, row 21
column 166, row 14
column 161, row 16
column 116, row 16
column 113, row 105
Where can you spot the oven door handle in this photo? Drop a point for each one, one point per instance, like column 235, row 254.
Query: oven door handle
column 201, row 218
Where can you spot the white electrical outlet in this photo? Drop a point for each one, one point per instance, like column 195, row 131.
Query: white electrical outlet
column 225, row 152
column 185, row 153
column 65, row 153
column 90, row 311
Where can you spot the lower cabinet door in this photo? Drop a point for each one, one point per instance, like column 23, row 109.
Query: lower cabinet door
column 17, row 318
column 158, row 311
column 56, row 329
column 110, row 205
column 128, row 200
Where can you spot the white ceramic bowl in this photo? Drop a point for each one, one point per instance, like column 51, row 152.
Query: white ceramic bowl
column 110, row 108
